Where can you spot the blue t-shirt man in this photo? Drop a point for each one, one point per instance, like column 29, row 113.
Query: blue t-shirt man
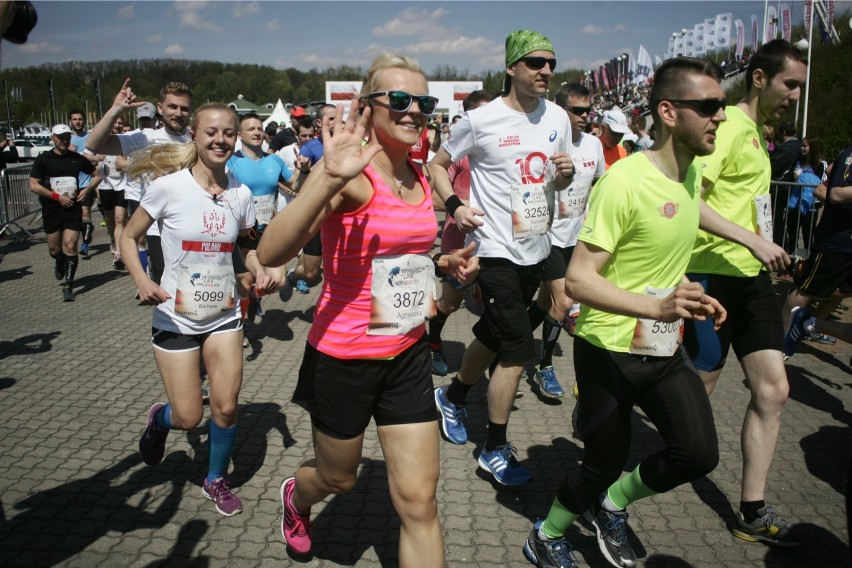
column 261, row 177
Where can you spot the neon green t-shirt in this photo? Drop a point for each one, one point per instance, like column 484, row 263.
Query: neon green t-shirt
column 739, row 171
column 648, row 223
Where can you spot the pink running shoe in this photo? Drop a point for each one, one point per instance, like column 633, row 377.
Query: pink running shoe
column 219, row 491
column 295, row 526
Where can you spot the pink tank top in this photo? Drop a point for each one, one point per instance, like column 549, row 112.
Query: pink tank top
column 385, row 225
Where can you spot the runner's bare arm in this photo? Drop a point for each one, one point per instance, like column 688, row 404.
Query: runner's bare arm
column 584, row 283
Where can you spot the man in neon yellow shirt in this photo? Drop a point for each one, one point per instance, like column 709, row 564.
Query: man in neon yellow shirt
column 627, row 270
column 731, row 260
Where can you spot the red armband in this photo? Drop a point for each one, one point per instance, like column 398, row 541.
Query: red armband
column 54, row 196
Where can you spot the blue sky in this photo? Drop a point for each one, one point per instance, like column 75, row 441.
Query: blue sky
column 319, row 34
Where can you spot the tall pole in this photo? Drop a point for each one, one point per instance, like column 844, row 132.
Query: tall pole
column 808, row 78
column 8, row 109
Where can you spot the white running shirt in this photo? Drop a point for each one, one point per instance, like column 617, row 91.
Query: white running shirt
column 572, row 202
column 198, row 236
column 508, row 149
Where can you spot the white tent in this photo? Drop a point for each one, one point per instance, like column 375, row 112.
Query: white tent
column 279, row 115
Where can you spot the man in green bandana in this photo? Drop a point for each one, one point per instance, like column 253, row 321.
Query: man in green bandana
column 517, row 149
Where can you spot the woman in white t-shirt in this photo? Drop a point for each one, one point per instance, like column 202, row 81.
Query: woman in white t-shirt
column 201, row 213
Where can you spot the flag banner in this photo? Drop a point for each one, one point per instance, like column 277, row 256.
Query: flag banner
column 723, row 30
column 771, row 31
column 461, row 91
column 753, row 33
column 689, row 44
column 604, row 71
column 680, row 45
column 644, row 66
column 786, row 22
column 657, row 61
column 829, row 10
column 808, row 12
column 699, row 47
column 343, row 91
column 671, row 51
column 631, row 69
column 710, row 35
column 740, row 27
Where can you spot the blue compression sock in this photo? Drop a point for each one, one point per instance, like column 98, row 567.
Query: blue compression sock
column 163, row 418
column 221, row 446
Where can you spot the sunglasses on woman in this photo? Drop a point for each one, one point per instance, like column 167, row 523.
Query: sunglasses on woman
column 536, row 63
column 400, row 101
column 704, row 107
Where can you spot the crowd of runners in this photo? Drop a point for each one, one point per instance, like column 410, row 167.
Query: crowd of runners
column 657, row 262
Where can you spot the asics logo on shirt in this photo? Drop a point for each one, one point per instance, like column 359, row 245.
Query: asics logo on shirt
column 552, row 136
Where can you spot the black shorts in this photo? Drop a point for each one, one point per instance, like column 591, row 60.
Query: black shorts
column 753, row 324
column 556, row 264
column 823, row 273
column 174, row 342
column 89, row 200
column 58, row 218
column 237, row 260
column 131, row 205
column 507, row 290
column 314, row 246
column 110, row 199
column 343, row 394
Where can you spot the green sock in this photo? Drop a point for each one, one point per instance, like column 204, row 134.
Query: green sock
column 628, row 489
column 558, row 520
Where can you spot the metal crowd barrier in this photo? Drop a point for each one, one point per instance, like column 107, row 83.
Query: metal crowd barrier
column 792, row 229
column 16, row 200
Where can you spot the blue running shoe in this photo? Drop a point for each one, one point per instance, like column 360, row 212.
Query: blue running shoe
column 84, row 249
column 302, row 287
column 549, row 553
column 286, row 291
column 821, row 338
column 547, row 383
column 796, row 331
column 611, row 528
column 439, row 363
column 501, row 463
column 452, row 418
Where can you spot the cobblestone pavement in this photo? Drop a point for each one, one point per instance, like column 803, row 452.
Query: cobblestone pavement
column 78, row 378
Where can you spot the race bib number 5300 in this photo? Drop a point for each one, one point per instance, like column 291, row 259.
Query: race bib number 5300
column 402, row 293
column 656, row 338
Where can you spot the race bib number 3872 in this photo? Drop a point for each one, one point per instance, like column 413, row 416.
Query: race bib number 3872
column 402, row 293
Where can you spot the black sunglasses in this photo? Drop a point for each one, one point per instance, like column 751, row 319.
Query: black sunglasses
column 579, row 111
column 536, row 63
column 400, row 101
column 704, row 107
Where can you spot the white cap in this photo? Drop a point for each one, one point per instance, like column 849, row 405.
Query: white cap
column 61, row 129
column 616, row 121
column 146, row 111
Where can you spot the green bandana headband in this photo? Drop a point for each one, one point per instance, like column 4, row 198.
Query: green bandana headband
column 522, row 42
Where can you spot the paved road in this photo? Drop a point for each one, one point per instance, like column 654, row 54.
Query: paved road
column 77, row 380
